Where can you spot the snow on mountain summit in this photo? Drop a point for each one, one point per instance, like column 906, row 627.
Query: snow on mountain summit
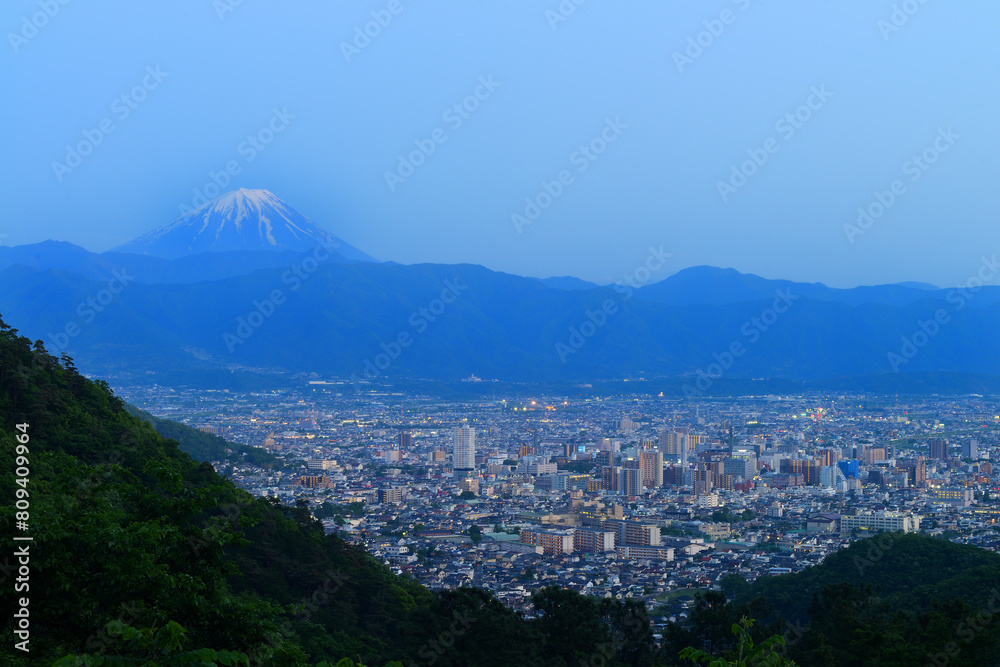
column 239, row 220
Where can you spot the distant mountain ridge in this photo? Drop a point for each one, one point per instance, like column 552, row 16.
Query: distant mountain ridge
column 64, row 256
column 386, row 321
column 711, row 285
column 238, row 284
column 567, row 283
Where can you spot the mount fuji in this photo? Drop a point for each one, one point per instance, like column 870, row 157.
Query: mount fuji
column 240, row 220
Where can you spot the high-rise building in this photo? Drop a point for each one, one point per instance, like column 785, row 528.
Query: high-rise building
column 939, row 448
column 740, row 467
column 405, row 440
column 723, row 481
column 593, row 541
column 807, row 468
column 832, row 477
column 553, row 542
column 702, row 481
column 674, row 445
column 632, row 532
column 674, row 475
column 827, row 457
column 970, row 450
column 315, row 481
column 916, row 471
column 651, row 464
column 850, row 468
column 390, row 495
column 874, row 454
column 464, row 452
column 609, row 477
column 605, row 458
column 630, row 481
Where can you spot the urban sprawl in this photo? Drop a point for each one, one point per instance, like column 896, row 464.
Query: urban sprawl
column 640, row 497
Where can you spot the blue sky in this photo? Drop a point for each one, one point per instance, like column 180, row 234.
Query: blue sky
column 868, row 85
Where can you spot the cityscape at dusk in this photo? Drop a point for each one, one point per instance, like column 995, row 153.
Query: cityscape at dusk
column 549, row 333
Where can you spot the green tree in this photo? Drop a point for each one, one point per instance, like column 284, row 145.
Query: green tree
column 769, row 652
column 152, row 648
column 733, row 585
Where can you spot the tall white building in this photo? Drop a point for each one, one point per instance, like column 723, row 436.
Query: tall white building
column 464, row 452
column 832, row 477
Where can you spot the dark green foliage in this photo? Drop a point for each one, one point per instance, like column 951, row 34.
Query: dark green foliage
column 582, row 630
column 912, row 569
column 142, row 555
column 746, row 653
column 206, row 446
column 892, row 599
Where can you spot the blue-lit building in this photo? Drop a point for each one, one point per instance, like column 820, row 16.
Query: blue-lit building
column 849, row 467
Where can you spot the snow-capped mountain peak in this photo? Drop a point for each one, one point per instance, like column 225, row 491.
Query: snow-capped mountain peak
column 239, row 220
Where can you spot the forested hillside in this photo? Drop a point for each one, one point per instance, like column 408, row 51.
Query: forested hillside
column 141, row 553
